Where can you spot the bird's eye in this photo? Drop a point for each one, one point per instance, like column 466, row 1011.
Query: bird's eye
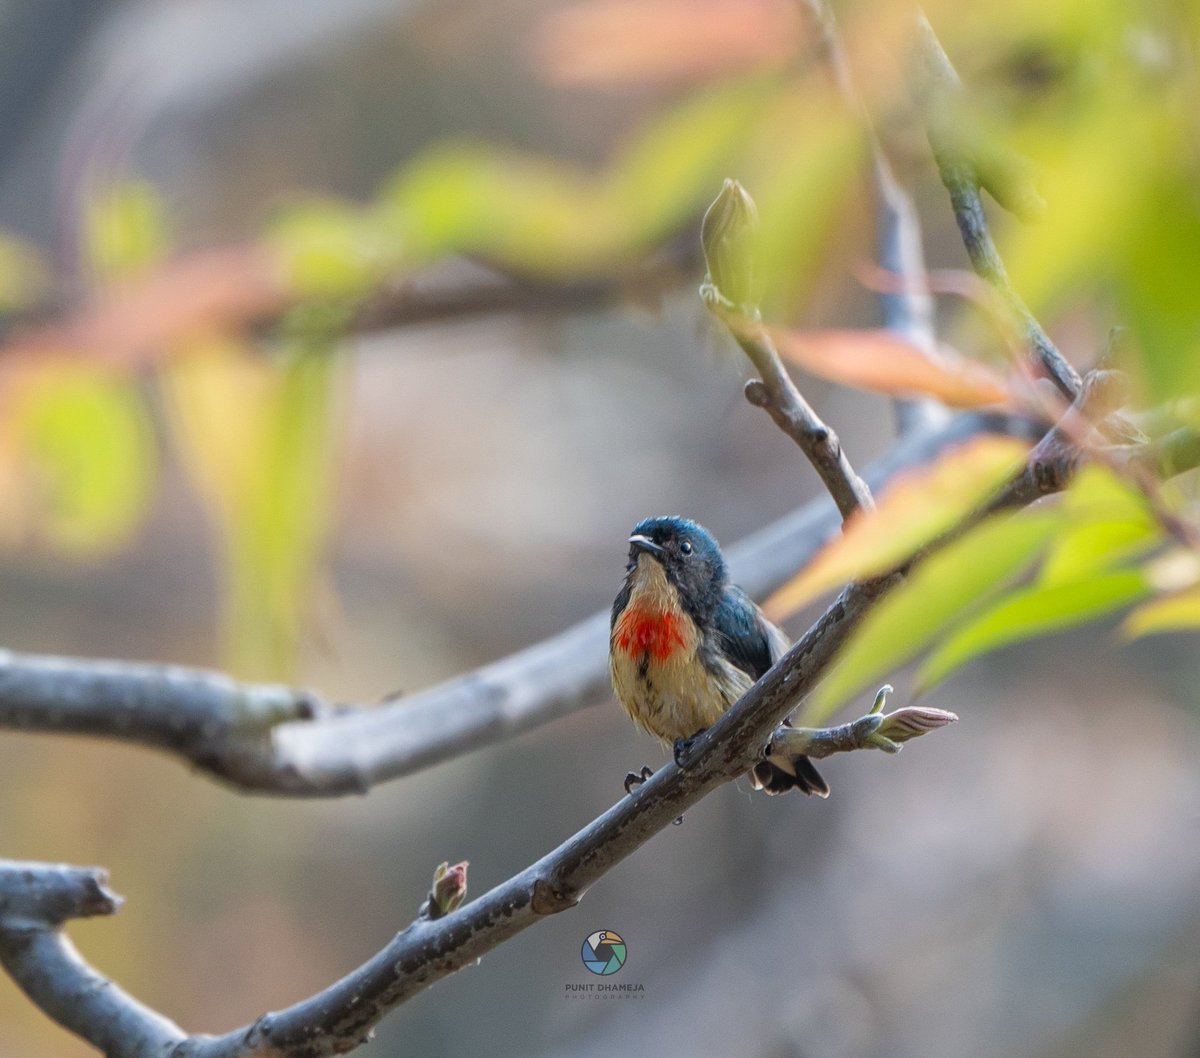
column 686, row 547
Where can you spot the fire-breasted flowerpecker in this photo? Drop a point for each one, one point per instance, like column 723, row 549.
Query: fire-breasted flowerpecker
column 685, row 644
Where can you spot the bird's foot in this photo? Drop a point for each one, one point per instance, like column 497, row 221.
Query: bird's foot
column 637, row 778
column 682, row 748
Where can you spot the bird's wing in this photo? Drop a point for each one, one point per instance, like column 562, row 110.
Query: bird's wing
column 619, row 604
column 750, row 641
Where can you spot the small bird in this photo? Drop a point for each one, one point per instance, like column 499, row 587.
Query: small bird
column 685, row 644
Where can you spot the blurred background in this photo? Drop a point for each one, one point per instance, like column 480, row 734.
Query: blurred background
column 344, row 343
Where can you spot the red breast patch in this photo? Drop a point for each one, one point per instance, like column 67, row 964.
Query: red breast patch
column 649, row 632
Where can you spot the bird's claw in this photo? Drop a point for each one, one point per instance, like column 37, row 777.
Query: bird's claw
column 682, row 748
column 637, row 778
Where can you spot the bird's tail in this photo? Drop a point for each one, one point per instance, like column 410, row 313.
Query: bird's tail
column 780, row 772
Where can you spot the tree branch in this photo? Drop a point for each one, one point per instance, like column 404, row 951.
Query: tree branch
column 281, row 740
column 462, row 289
column 239, row 286
column 939, row 86
column 908, row 310
column 33, row 905
column 776, row 393
column 36, row 900
column 728, row 237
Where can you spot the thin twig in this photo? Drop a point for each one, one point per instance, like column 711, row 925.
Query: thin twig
column 730, row 292
column 939, row 86
column 239, row 286
column 908, row 309
column 464, row 289
column 776, row 393
column 287, row 741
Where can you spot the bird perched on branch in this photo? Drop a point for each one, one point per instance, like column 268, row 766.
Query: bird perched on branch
column 685, row 644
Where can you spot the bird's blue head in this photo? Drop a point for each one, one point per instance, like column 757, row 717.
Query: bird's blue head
column 689, row 555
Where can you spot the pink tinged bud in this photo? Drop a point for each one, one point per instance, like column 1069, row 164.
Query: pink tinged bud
column 449, row 890
column 913, row 721
column 893, row 729
column 728, row 235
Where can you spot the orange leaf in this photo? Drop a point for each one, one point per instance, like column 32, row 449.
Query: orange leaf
column 879, row 361
column 665, row 42
column 1169, row 613
column 132, row 322
column 919, row 507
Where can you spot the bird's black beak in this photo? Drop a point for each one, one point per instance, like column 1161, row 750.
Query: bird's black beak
column 637, row 542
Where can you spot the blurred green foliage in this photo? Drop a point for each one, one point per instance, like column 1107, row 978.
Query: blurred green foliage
column 952, row 585
column 918, row 508
column 971, row 597
column 1102, row 100
column 87, row 458
column 124, row 229
column 24, row 274
column 1097, row 102
column 255, row 435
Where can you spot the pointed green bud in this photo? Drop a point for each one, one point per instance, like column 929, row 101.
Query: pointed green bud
column 912, row 722
column 728, row 235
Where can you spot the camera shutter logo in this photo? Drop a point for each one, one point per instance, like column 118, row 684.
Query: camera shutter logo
column 604, row 952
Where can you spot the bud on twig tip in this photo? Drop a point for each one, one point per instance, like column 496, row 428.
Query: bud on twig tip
column 448, row 892
column 727, row 236
column 913, row 721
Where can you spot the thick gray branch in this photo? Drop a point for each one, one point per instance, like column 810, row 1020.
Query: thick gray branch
column 340, row 1017
column 36, row 900
column 283, row 741
column 212, row 720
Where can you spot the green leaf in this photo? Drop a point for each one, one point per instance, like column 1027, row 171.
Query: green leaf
column 255, row 436
column 90, row 446
column 917, row 508
column 24, row 274
column 277, row 537
column 668, row 172
column 803, row 192
column 1031, row 612
column 1159, row 277
column 124, row 229
column 1099, row 493
column 955, row 581
column 1093, row 548
column 1107, row 521
column 330, row 250
column 522, row 211
column 547, row 218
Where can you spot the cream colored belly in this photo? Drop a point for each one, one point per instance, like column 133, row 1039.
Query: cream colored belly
column 676, row 697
